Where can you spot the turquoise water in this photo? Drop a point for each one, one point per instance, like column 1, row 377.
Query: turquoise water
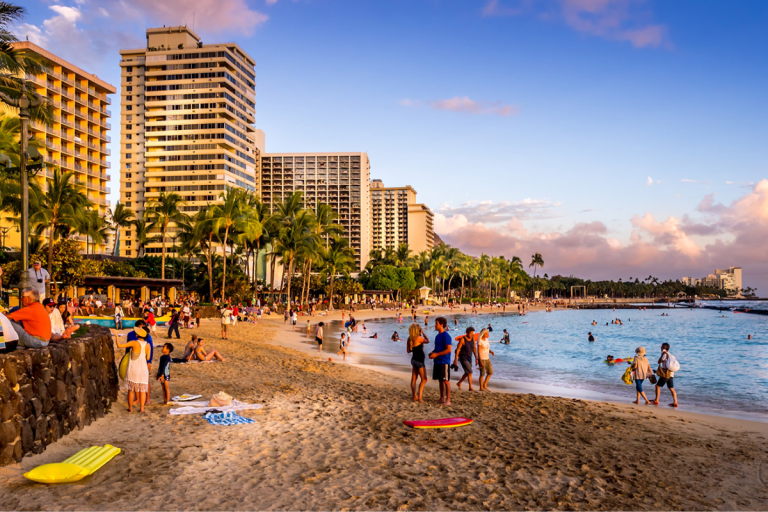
column 721, row 370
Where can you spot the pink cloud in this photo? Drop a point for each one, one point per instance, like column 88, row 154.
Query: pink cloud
column 617, row 20
column 466, row 105
column 737, row 235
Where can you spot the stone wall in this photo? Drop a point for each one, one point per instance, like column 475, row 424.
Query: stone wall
column 46, row 393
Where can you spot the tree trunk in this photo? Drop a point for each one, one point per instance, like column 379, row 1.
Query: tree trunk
column 224, row 274
column 162, row 262
column 290, row 277
column 272, row 277
column 209, row 257
column 330, row 294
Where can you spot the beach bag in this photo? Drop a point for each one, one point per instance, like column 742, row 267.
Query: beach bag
column 672, row 364
column 220, row 399
column 627, row 377
column 663, row 373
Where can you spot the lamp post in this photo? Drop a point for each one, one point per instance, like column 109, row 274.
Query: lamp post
column 4, row 232
column 24, row 104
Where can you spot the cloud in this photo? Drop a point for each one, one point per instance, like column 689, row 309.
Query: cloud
column 650, row 181
column 465, row 105
column 617, row 20
column 491, row 212
column 734, row 234
column 79, row 33
column 685, row 180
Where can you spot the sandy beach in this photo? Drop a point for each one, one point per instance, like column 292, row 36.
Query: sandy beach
column 330, row 436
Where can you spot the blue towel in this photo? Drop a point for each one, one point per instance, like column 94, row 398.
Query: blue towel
column 226, row 418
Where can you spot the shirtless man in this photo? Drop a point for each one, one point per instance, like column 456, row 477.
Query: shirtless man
column 202, row 355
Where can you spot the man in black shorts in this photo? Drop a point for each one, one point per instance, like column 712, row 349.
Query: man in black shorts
column 466, row 349
column 442, row 357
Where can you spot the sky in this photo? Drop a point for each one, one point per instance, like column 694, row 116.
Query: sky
column 618, row 138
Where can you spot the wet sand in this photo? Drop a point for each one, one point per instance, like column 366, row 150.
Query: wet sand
column 330, row 436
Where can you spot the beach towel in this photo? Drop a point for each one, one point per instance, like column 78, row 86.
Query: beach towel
column 191, row 409
column 226, row 419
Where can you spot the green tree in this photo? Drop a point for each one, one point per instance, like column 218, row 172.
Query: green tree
column 120, row 217
column 338, row 259
column 62, row 204
column 536, row 260
column 161, row 212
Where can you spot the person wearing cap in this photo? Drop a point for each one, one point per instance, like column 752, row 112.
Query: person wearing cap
column 38, row 276
column 36, row 329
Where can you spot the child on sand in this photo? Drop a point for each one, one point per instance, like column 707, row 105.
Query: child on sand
column 164, row 372
column 309, row 327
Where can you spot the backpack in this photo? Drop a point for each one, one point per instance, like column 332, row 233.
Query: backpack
column 672, row 364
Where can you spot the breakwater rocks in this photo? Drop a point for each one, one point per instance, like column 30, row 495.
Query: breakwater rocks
column 45, row 393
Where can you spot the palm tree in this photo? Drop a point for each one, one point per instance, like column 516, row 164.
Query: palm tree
column 143, row 236
column 120, row 217
column 536, row 260
column 232, row 214
column 14, row 64
column 325, row 228
column 91, row 225
column 294, row 239
column 338, row 258
column 60, row 205
column 203, row 234
column 403, row 256
column 161, row 212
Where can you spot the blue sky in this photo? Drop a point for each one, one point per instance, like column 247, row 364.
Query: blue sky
column 549, row 125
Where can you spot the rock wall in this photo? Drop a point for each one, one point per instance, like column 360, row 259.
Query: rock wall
column 45, row 393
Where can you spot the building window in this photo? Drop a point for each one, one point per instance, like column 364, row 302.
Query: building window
column 129, row 127
column 129, row 98
column 129, row 146
column 129, row 69
column 128, row 252
column 129, row 88
column 129, row 117
column 128, row 204
column 128, row 155
column 129, row 136
column 129, row 79
column 129, row 107
column 128, row 175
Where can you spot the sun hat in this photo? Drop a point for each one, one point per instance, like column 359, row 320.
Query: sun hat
column 640, row 351
column 141, row 333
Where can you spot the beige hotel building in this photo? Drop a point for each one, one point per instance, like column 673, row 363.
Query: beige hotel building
column 187, row 117
column 397, row 218
column 338, row 179
column 76, row 141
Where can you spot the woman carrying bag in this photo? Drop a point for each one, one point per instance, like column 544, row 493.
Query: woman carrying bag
column 642, row 370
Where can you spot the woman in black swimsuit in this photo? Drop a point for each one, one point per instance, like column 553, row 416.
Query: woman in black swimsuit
column 416, row 341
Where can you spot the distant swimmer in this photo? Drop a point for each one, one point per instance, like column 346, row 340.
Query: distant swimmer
column 505, row 339
column 594, row 323
column 490, row 329
column 609, row 359
column 374, row 336
column 591, row 338
column 749, row 336
column 455, row 321
column 395, row 336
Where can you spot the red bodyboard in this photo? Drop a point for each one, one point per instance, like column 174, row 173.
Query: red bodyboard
column 441, row 423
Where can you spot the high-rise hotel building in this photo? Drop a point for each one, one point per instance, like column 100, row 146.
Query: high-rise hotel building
column 187, row 117
column 76, row 141
column 338, row 179
column 396, row 218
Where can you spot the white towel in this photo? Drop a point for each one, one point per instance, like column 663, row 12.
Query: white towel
column 202, row 410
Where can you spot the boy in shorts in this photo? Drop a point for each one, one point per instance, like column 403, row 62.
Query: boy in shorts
column 343, row 346
column 319, row 336
column 164, row 372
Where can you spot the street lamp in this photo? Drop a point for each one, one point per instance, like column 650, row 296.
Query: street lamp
column 3, row 232
column 24, row 104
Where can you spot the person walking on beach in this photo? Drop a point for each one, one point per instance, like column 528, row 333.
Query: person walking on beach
column 319, row 336
column 465, row 351
column 484, row 360
column 415, row 347
column 441, row 371
column 666, row 377
column 226, row 319
column 642, row 369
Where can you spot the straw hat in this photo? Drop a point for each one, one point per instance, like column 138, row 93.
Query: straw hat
column 640, row 351
column 141, row 333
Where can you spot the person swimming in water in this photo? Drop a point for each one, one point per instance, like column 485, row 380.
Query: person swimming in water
column 609, row 359
column 591, row 338
column 594, row 323
column 395, row 336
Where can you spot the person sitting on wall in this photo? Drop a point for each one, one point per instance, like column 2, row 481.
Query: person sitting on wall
column 36, row 329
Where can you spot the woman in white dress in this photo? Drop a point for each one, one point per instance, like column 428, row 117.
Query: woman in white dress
column 137, row 376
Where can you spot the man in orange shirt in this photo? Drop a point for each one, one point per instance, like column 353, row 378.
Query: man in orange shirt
column 36, row 331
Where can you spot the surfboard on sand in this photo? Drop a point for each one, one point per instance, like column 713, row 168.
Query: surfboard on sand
column 441, row 423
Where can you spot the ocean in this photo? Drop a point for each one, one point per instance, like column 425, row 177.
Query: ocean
column 722, row 372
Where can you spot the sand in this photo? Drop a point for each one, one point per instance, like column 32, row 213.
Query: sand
column 330, row 436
